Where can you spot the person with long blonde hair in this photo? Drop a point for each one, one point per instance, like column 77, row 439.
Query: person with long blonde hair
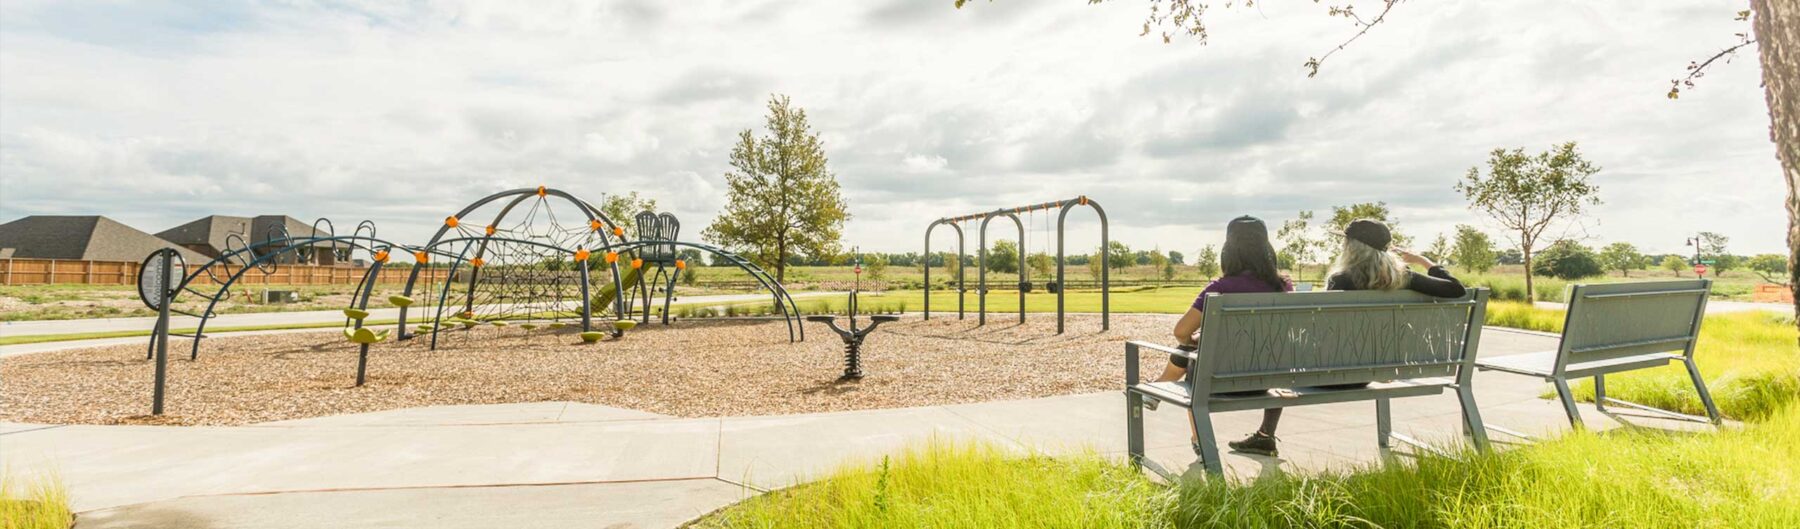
column 1367, row 263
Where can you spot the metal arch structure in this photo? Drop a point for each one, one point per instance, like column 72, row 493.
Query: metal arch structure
column 1062, row 207
column 961, row 288
column 611, row 240
column 245, row 258
column 981, row 266
column 597, row 220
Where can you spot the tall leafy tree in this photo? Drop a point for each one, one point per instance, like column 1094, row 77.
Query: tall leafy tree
column 1622, row 256
column 783, row 199
column 1299, row 242
column 622, row 210
column 1770, row 267
column 1473, row 251
column 1674, row 263
column 1118, row 255
column 1528, row 194
column 1004, row 257
column 1208, row 262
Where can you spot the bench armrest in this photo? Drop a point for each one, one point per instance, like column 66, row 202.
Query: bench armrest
column 1131, row 357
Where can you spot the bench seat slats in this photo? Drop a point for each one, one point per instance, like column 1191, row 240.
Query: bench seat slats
column 1177, row 393
column 1543, row 364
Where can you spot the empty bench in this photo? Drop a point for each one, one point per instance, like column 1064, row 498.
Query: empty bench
column 1402, row 344
column 1620, row 327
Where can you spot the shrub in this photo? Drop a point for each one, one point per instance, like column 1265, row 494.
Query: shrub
column 1567, row 260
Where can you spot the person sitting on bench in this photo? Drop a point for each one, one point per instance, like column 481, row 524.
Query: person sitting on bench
column 1365, row 263
column 1249, row 265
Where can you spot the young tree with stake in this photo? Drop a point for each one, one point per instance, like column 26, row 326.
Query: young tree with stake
column 1528, row 194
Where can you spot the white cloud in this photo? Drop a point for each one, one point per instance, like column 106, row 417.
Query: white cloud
column 156, row 113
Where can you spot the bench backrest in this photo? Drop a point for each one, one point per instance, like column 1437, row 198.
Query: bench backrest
column 1263, row 341
column 1614, row 320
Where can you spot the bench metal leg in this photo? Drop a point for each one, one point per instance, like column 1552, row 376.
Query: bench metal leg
column 1134, row 428
column 1384, row 423
column 1472, row 423
column 1568, row 402
column 1600, row 392
column 1712, row 410
column 1206, row 445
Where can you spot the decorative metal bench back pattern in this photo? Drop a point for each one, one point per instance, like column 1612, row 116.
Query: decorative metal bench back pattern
column 1262, row 341
column 1625, row 319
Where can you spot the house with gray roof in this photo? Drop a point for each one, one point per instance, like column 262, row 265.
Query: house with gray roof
column 81, row 237
column 213, row 235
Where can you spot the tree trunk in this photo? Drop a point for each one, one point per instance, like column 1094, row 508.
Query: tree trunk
column 1530, row 292
column 1777, row 25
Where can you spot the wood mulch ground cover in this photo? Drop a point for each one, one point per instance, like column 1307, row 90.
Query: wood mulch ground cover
column 695, row 368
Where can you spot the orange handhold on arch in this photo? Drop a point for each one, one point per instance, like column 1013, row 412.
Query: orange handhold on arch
column 582, row 254
column 450, row 221
column 477, row 262
column 596, row 224
column 681, row 264
column 421, row 256
column 637, row 263
column 490, row 229
column 381, row 256
column 541, row 191
column 612, row 257
column 618, row 231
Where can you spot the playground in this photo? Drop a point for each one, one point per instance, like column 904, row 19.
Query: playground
column 700, row 368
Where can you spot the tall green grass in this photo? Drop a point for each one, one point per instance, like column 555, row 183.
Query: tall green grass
column 1640, row 479
column 960, row 485
column 37, row 503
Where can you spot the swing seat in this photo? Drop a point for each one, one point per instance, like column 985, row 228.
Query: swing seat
column 365, row 335
column 400, row 301
column 528, row 326
column 592, row 336
column 1025, row 286
column 356, row 314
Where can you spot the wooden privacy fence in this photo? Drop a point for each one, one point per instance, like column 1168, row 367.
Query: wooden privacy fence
column 71, row 272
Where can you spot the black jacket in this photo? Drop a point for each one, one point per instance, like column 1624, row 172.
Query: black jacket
column 1434, row 282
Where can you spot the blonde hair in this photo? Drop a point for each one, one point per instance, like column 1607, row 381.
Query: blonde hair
column 1369, row 268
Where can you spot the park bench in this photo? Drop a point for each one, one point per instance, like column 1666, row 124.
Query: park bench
column 1261, row 351
column 1618, row 327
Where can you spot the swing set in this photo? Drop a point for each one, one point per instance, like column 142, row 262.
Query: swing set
column 1033, row 212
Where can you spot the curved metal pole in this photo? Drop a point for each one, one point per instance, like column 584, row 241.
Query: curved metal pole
column 981, row 266
column 1105, row 283
column 206, row 315
column 780, row 293
column 960, row 287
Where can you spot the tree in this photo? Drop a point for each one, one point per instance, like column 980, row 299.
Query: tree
column 1473, row 250
column 876, row 265
column 1096, row 267
column 1120, row 255
column 1004, row 257
column 1674, row 263
column 1041, row 263
column 1439, row 249
column 1168, row 271
column 1342, row 216
column 1157, row 259
column 1621, row 256
column 1511, row 256
column 782, row 200
column 1528, row 194
column 1567, row 259
column 622, row 210
column 1712, row 248
column 1208, row 262
column 1299, row 243
column 1176, row 258
column 1770, row 266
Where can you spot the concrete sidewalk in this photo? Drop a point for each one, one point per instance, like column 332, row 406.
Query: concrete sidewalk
column 44, row 327
column 583, row 465
column 1712, row 306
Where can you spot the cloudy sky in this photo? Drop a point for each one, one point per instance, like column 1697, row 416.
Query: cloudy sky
column 154, row 113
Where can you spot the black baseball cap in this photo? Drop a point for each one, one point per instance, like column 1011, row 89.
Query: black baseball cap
column 1371, row 232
